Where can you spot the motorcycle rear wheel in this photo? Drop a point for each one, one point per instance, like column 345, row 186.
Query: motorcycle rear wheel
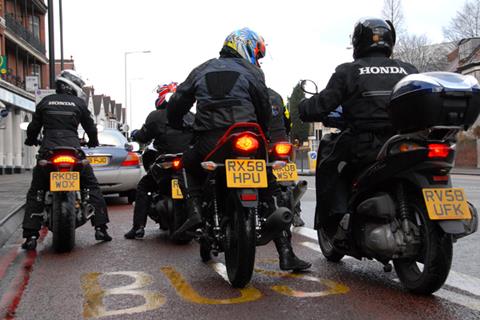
column 240, row 242
column 436, row 256
column 63, row 221
column 178, row 215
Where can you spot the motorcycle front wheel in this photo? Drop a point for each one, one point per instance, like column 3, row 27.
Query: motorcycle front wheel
column 427, row 272
column 240, row 242
column 63, row 221
column 328, row 250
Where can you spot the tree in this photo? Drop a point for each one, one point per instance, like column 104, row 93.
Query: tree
column 299, row 129
column 418, row 51
column 466, row 23
column 392, row 10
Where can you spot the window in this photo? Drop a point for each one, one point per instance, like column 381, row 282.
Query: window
column 37, row 71
column 35, row 26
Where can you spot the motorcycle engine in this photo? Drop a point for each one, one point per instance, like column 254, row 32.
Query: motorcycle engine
column 385, row 240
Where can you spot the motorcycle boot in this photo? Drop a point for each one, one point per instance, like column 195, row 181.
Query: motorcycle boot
column 30, row 243
column 194, row 219
column 340, row 239
column 135, row 233
column 288, row 259
column 101, row 233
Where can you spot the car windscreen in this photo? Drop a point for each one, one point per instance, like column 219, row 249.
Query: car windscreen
column 111, row 138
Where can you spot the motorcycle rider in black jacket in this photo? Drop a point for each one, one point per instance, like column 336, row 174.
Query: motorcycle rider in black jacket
column 60, row 115
column 362, row 88
column 166, row 140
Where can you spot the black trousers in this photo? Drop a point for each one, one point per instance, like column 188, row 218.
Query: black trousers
column 356, row 151
column 142, row 200
column 41, row 181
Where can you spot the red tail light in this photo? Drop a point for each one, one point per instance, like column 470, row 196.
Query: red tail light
column 177, row 164
column 132, row 160
column 246, row 143
column 283, row 149
column 438, row 150
column 62, row 160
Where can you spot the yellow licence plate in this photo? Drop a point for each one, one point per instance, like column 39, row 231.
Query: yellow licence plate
column 176, row 191
column 98, row 161
column 446, row 204
column 287, row 173
column 64, row 181
column 246, row 173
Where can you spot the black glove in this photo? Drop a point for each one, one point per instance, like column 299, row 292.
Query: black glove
column 32, row 142
column 93, row 143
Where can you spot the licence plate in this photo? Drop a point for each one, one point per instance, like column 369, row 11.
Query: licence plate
column 246, row 173
column 64, row 181
column 287, row 173
column 176, row 191
column 446, row 204
column 98, row 161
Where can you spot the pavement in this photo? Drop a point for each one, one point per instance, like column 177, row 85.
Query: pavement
column 13, row 189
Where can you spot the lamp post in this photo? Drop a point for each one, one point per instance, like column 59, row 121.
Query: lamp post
column 126, row 54
column 130, row 100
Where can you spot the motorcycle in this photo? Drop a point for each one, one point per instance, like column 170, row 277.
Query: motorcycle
column 233, row 222
column 403, row 207
column 67, row 206
column 167, row 206
column 286, row 177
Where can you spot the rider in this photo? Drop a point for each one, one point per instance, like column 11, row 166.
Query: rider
column 166, row 140
column 280, row 127
column 227, row 90
column 362, row 88
column 60, row 114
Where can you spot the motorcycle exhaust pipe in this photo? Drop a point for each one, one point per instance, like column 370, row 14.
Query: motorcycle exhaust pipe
column 278, row 221
column 298, row 191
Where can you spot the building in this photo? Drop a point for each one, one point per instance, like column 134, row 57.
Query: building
column 67, row 64
column 23, row 68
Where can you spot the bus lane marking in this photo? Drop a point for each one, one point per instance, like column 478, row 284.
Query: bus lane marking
column 94, row 294
column 188, row 293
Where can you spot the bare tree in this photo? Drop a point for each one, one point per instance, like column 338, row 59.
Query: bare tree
column 392, row 10
column 466, row 23
column 418, row 51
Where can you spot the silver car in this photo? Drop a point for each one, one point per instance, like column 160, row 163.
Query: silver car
column 117, row 167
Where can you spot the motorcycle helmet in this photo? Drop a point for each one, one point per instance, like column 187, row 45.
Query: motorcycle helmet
column 247, row 44
column 164, row 93
column 70, row 82
column 373, row 34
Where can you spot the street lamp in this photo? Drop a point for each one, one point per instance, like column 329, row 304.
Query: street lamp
column 126, row 54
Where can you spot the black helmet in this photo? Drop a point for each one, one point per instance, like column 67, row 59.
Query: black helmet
column 70, row 82
column 373, row 34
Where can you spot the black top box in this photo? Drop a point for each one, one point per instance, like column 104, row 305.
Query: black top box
column 424, row 100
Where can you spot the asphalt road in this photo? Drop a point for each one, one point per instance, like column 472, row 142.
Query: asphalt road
column 155, row 279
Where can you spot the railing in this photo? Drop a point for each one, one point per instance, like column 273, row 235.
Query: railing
column 21, row 31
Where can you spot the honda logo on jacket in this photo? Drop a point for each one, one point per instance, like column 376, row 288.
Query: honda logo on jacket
column 382, row 70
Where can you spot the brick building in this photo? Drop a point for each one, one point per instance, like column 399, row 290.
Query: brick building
column 23, row 65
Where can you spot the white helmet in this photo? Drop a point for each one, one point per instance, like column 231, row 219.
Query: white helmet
column 70, row 82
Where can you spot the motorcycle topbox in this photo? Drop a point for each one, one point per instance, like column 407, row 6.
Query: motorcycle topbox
column 420, row 101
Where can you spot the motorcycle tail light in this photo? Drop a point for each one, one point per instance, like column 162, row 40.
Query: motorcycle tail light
column 248, row 197
column 438, row 150
column 64, row 160
column 246, row 143
column 283, row 149
column 177, row 164
column 131, row 160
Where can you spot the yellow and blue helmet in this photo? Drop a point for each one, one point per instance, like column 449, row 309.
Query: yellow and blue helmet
column 247, row 43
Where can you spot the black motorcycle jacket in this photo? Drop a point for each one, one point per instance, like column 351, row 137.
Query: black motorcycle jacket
column 166, row 138
column 227, row 90
column 60, row 115
column 280, row 124
column 363, row 88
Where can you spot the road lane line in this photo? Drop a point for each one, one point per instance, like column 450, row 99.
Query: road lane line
column 7, row 261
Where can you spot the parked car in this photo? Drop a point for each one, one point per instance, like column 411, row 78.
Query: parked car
column 117, row 166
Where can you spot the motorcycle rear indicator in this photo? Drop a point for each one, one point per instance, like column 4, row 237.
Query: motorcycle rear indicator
column 62, row 160
column 283, row 149
column 132, row 159
column 177, row 164
column 438, row 150
column 246, row 143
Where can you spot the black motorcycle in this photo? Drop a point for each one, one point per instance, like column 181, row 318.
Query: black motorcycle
column 231, row 201
column 67, row 206
column 167, row 204
column 403, row 208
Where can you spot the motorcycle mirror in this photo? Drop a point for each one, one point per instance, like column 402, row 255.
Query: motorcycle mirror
column 132, row 146
column 24, row 125
column 308, row 86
